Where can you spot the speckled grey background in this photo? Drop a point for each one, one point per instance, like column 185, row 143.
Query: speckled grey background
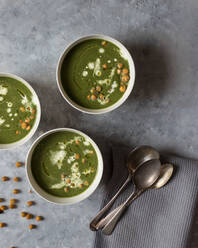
column 161, row 111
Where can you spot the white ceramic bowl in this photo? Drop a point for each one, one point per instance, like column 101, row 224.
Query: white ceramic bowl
column 125, row 54
column 38, row 114
column 64, row 200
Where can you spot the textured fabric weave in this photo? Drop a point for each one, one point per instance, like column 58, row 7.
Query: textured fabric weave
column 160, row 218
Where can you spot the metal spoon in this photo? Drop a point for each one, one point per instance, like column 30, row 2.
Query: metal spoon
column 166, row 172
column 136, row 157
column 144, row 177
column 165, row 175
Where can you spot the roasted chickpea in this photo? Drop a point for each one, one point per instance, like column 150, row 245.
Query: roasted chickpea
column 125, row 78
column 31, row 226
column 98, row 88
column 12, row 206
column 18, row 164
column 29, row 216
column 93, row 90
column 22, row 109
column 86, row 183
column 23, row 125
column 3, row 207
column 27, row 120
column 125, row 71
column 16, row 179
column 16, row 191
column 66, row 189
column 119, row 65
column 104, row 43
column 122, row 88
column 30, row 203
column 63, row 176
column 93, row 97
column 68, row 180
column 39, row 218
column 28, row 127
column 17, row 132
column 23, row 214
column 104, row 66
column 5, row 178
column 101, row 96
column 77, row 156
column 2, row 224
column 13, row 201
column 118, row 71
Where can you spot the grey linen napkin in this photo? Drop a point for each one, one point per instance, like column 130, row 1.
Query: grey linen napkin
column 160, row 218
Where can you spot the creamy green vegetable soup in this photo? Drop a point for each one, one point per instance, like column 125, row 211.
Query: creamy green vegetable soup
column 94, row 74
column 17, row 110
column 64, row 164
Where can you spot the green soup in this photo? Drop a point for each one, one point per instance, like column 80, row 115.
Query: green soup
column 94, row 74
column 64, row 164
column 17, row 110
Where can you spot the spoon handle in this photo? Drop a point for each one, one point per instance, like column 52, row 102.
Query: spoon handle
column 109, row 216
column 112, row 219
column 106, row 219
column 93, row 223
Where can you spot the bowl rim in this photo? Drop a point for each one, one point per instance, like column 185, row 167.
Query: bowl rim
column 63, row 200
column 130, row 84
column 38, row 114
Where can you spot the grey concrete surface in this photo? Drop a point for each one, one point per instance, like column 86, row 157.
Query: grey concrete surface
column 162, row 37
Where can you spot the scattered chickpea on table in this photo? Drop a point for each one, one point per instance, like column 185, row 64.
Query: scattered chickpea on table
column 12, row 201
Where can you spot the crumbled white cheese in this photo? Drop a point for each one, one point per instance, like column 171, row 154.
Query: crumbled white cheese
column 3, row 90
column 113, row 87
column 85, row 73
column 88, row 171
column 87, row 151
column 97, row 67
column 108, row 80
column 24, row 100
column 1, row 98
column 9, row 104
column 75, row 180
column 71, row 159
column 91, row 65
column 63, row 145
column 57, row 157
column 86, row 142
column 103, row 101
column 1, row 120
column 101, row 50
column 8, row 110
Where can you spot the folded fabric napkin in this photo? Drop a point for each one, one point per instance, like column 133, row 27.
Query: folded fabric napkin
column 159, row 218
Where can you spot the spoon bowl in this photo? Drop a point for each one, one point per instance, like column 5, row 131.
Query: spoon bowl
column 165, row 175
column 140, row 155
column 146, row 175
